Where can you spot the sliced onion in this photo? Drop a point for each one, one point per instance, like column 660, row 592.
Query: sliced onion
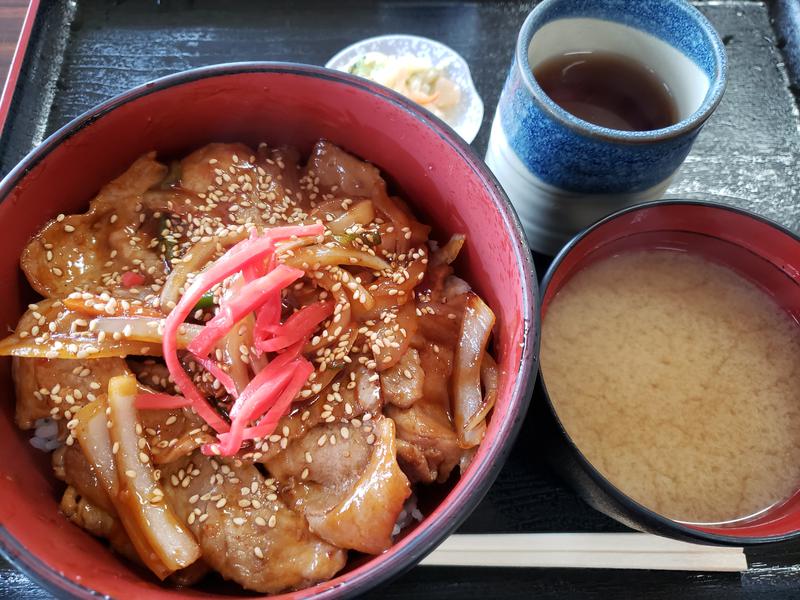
column 395, row 337
column 193, row 262
column 396, row 215
column 359, row 214
column 349, row 291
column 93, row 437
column 454, row 286
column 143, row 329
column 328, row 283
column 91, row 304
column 400, row 293
column 239, row 336
column 322, row 255
column 63, row 333
column 324, row 379
column 466, row 380
column 489, row 376
column 448, row 253
column 139, row 491
column 74, row 347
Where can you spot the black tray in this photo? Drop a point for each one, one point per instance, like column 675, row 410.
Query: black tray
column 83, row 52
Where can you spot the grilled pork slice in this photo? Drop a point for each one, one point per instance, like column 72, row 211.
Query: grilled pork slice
column 71, row 466
column 342, row 173
column 346, row 481
column 245, row 531
column 80, row 511
column 90, row 251
column 58, row 388
column 403, row 383
column 101, row 523
column 427, row 447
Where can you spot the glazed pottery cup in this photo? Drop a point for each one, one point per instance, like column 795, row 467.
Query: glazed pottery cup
column 563, row 173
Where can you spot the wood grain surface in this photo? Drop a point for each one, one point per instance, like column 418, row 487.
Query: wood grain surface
column 83, row 53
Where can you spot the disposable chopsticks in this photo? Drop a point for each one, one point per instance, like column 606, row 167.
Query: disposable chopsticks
column 584, row 550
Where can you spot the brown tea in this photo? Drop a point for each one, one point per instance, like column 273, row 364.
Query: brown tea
column 610, row 90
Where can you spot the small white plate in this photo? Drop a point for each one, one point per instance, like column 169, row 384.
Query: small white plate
column 467, row 117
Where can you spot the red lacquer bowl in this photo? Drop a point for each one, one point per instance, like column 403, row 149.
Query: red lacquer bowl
column 444, row 180
column 760, row 251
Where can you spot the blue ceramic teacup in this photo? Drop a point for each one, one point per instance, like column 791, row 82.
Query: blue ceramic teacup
column 563, row 173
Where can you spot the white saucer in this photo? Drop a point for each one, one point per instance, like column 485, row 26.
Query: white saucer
column 467, row 117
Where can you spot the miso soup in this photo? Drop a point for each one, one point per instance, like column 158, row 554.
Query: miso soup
column 680, row 381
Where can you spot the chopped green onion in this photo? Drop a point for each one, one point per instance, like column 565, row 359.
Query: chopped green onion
column 206, row 301
column 345, row 239
column 372, row 238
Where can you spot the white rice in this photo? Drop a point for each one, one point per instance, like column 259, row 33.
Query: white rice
column 409, row 514
column 45, row 436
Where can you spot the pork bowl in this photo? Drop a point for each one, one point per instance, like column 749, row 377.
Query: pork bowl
column 272, row 331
